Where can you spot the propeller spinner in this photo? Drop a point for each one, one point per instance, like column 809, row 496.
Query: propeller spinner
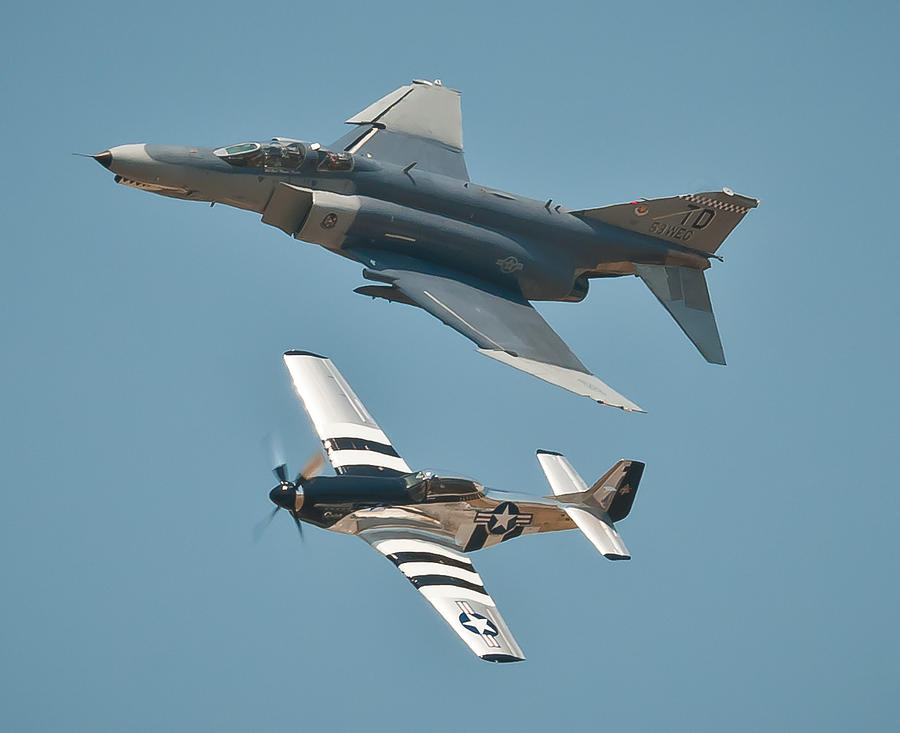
column 288, row 495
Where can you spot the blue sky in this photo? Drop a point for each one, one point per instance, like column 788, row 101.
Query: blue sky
column 143, row 342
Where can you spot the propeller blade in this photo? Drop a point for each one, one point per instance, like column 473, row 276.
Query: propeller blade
column 273, row 446
column 313, row 467
column 263, row 524
column 299, row 527
column 280, row 472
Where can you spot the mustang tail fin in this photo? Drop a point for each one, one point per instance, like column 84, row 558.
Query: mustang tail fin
column 699, row 221
column 595, row 509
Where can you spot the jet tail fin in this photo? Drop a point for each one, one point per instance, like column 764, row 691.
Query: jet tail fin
column 683, row 292
column 698, row 221
column 594, row 510
column 695, row 224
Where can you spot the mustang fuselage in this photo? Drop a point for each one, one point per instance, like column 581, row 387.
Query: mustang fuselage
column 444, row 506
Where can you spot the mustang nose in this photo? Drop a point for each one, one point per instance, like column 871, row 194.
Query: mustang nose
column 285, row 497
column 104, row 158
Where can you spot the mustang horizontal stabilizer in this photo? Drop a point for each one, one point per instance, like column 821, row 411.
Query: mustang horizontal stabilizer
column 504, row 326
column 595, row 509
column 449, row 582
column 699, row 221
column 601, row 532
column 683, row 292
column 419, row 123
column 352, row 439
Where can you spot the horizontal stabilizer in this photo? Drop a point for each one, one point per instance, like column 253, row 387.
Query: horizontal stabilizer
column 683, row 292
column 599, row 529
column 561, row 475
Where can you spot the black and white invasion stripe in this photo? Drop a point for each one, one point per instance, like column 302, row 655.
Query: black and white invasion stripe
column 434, row 569
column 358, row 446
column 352, row 438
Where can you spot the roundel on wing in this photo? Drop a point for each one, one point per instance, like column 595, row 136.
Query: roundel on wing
column 478, row 624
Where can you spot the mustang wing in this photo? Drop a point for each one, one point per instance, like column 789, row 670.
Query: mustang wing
column 503, row 325
column 352, row 439
column 447, row 579
column 418, row 123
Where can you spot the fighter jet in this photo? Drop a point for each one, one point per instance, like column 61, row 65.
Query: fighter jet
column 394, row 195
column 425, row 523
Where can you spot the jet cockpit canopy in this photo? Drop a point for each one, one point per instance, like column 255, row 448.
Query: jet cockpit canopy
column 279, row 154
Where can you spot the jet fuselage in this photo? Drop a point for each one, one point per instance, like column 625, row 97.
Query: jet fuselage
column 378, row 213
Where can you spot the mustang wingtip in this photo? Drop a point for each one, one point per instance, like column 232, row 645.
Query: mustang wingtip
column 501, row 658
column 295, row 352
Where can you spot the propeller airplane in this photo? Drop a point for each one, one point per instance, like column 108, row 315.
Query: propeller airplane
column 426, row 524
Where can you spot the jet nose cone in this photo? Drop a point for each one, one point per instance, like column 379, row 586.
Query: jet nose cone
column 104, row 158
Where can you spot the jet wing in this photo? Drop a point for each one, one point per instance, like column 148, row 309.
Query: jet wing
column 502, row 324
column 351, row 437
column 449, row 582
column 418, row 123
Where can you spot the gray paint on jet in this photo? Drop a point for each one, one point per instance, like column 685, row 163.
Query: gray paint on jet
column 402, row 217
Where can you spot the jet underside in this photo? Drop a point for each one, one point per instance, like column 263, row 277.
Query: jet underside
column 394, row 195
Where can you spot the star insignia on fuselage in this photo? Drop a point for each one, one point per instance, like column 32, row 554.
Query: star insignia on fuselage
column 503, row 519
column 500, row 522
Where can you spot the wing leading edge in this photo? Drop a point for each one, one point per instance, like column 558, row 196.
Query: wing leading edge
column 351, row 437
column 449, row 582
column 503, row 325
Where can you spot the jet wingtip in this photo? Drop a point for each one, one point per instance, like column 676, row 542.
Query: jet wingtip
column 629, row 407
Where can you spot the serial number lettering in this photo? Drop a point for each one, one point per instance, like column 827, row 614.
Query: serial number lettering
column 692, row 220
column 674, row 231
